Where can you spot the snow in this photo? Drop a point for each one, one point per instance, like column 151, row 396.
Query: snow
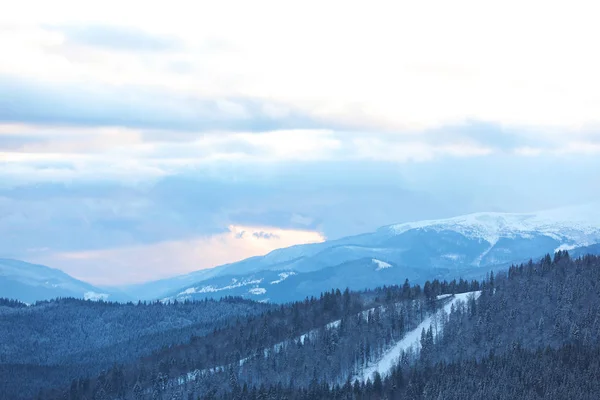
column 95, row 296
column 282, row 277
column 211, row 288
column 381, row 264
column 334, row 324
column 477, row 261
column 578, row 225
column 410, row 340
column 257, row 291
column 568, row 247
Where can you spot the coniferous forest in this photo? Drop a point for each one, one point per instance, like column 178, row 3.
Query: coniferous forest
column 528, row 332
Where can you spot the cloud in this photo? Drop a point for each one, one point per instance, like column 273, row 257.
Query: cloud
column 122, row 265
column 25, row 102
column 265, row 235
column 117, row 38
column 406, row 70
column 44, row 153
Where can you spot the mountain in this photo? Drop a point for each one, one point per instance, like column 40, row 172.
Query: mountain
column 284, row 286
column 32, row 282
column 467, row 246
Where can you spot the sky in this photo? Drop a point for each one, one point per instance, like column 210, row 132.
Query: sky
column 141, row 140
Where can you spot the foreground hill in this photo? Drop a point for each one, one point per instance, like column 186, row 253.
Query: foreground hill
column 56, row 341
column 529, row 332
column 467, row 246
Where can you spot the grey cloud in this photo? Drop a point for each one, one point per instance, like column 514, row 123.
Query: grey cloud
column 135, row 107
column 163, row 116
column 17, row 142
column 265, row 235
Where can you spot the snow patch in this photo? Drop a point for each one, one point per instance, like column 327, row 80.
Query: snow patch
column 211, row 288
column 282, row 277
column 191, row 290
column 568, row 247
column 95, row 296
column 381, row 264
column 257, row 291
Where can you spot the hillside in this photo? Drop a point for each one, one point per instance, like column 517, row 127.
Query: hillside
column 63, row 339
column 397, row 342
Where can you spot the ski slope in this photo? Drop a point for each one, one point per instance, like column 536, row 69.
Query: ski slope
column 410, row 340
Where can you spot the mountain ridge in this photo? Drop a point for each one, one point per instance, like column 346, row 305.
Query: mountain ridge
column 468, row 245
column 462, row 246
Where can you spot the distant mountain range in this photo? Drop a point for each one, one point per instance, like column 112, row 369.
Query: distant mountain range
column 31, row 282
column 466, row 246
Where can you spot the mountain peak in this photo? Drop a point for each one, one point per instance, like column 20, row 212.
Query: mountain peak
column 568, row 223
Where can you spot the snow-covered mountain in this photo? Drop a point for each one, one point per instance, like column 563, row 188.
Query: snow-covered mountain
column 464, row 246
column 572, row 226
column 31, row 282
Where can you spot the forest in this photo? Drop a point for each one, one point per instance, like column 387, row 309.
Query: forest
column 527, row 332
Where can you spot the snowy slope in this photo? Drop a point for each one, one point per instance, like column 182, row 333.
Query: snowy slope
column 580, row 226
column 411, row 340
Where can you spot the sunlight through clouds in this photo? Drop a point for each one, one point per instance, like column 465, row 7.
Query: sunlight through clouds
column 171, row 258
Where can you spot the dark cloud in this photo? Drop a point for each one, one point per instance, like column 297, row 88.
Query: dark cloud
column 265, row 235
column 118, row 38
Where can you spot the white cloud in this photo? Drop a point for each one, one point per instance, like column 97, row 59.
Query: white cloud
column 37, row 153
column 412, row 150
column 528, row 151
column 578, row 147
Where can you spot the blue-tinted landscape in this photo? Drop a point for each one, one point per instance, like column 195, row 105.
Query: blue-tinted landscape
column 299, row 200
